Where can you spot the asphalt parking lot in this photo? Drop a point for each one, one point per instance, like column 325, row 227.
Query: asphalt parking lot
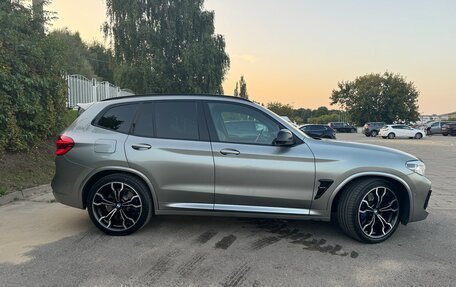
column 43, row 243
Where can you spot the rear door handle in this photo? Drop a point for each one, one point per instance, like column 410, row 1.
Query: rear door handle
column 229, row 151
column 141, row 146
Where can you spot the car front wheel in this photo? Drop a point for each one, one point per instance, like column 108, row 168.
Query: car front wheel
column 418, row 136
column 368, row 210
column 119, row 204
column 374, row 133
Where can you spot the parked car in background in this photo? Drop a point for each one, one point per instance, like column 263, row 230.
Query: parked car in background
column 449, row 129
column 342, row 127
column 436, row 127
column 371, row 129
column 400, row 131
column 128, row 158
column 319, row 131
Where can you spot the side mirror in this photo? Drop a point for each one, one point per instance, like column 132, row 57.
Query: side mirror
column 284, row 138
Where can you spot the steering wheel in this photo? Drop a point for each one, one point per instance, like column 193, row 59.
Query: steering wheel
column 259, row 135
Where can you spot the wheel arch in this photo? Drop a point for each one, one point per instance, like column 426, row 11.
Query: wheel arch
column 99, row 173
column 405, row 193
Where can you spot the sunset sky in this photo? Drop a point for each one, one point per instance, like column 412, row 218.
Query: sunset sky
column 296, row 51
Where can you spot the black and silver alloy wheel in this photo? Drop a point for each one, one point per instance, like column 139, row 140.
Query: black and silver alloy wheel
column 119, row 204
column 369, row 210
column 378, row 212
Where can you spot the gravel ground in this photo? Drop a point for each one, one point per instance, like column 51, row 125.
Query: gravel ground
column 43, row 243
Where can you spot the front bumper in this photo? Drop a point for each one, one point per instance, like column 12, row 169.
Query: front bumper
column 421, row 192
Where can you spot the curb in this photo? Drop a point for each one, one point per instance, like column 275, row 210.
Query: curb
column 24, row 194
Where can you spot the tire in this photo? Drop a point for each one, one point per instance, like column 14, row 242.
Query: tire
column 368, row 226
column 373, row 133
column 384, row 137
column 445, row 134
column 418, row 136
column 353, row 131
column 391, row 135
column 107, row 204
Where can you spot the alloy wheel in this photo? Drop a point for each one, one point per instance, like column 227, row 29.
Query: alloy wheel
column 117, row 206
column 378, row 212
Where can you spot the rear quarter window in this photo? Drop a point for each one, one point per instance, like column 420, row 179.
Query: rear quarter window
column 117, row 118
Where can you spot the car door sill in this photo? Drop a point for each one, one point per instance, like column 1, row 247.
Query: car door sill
column 260, row 209
column 240, row 208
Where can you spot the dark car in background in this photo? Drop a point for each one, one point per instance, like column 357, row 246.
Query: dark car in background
column 438, row 127
column 371, row 129
column 449, row 129
column 318, row 131
column 342, row 127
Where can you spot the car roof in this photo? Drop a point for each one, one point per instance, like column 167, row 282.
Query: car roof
column 149, row 96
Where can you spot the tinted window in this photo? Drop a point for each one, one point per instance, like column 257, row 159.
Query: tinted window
column 242, row 124
column 176, row 120
column 144, row 125
column 118, row 118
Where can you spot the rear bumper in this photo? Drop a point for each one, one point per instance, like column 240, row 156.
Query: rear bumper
column 67, row 182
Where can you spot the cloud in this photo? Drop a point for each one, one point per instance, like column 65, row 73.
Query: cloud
column 246, row 58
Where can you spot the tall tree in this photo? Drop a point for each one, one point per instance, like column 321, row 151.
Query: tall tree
column 384, row 97
column 243, row 88
column 236, row 90
column 166, row 46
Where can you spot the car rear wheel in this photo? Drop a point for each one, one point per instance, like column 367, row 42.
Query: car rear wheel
column 445, row 134
column 391, row 135
column 374, row 133
column 368, row 210
column 418, row 136
column 119, row 204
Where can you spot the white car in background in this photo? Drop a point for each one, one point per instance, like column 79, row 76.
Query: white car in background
column 401, row 131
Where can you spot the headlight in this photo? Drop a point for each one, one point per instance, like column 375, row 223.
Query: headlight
column 417, row 166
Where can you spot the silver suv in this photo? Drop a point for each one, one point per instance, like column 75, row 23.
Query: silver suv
column 127, row 159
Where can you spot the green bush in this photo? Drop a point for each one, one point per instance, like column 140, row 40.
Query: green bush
column 32, row 86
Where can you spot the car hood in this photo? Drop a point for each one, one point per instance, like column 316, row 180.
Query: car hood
column 348, row 149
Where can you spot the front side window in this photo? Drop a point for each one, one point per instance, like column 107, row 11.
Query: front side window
column 242, row 124
column 118, row 118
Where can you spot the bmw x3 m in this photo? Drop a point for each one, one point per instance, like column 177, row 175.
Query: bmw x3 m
column 128, row 159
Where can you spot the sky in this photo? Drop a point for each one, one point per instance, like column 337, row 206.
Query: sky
column 296, row 51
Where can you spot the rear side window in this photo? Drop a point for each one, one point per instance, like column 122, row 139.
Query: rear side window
column 118, row 118
column 168, row 119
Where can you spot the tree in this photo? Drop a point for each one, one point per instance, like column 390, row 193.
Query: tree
column 378, row 97
column 32, row 90
column 75, row 53
column 102, row 61
column 166, row 46
column 243, row 88
column 236, row 90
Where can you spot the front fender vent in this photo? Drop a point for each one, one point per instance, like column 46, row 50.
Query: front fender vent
column 323, row 187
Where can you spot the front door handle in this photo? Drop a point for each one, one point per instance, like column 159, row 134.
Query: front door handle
column 229, row 151
column 141, row 146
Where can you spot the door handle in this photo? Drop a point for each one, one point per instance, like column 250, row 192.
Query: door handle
column 141, row 146
column 229, row 151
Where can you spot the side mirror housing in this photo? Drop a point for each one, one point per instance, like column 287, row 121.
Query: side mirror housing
column 284, row 138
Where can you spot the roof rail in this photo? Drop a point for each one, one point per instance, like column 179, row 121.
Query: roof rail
column 190, row 95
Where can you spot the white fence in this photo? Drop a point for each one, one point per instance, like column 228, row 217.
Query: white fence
column 83, row 90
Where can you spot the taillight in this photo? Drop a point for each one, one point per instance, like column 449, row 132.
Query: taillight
column 63, row 144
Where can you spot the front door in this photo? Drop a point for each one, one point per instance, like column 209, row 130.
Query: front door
column 251, row 173
column 169, row 143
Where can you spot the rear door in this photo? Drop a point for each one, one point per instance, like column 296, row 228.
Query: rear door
column 252, row 174
column 169, row 143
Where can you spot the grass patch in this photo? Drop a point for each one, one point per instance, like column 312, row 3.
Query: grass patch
column 34, row 167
